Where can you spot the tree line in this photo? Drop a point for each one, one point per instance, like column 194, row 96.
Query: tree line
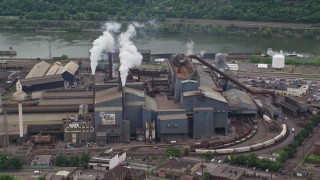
column 9, row 162
column 303, row 11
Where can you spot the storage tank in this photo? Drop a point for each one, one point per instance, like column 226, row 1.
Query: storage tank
column 278, row 61
column 42, row 139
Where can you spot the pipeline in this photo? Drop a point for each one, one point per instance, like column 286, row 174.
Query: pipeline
column 230, row 78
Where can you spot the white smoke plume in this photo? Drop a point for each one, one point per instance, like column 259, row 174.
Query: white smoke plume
column 129, row 55
column 202, row 52
column 138, row 25
column 104, row 43
column 190, row 45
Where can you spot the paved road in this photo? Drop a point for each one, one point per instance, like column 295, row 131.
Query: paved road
column 304, row 149
column 26, row 173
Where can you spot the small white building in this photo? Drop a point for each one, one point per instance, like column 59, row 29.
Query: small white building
column 233, row 67
column 159, row 60
column 106, row 160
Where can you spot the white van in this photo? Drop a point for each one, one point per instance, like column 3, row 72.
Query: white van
column 293, row 130
column 37, row 172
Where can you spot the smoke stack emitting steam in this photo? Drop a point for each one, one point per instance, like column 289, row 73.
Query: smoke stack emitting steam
column 104, row 42
column 129, row 55
column 190, row 45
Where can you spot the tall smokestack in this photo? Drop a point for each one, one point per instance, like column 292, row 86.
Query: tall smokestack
column 110, row 66
column 123, row 103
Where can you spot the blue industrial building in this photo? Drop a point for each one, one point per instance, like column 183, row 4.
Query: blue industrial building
column 193, row 106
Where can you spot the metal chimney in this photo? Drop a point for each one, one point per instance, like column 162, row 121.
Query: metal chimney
column 110, row 65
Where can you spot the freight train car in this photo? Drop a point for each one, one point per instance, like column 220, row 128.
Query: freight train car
column 247, row 148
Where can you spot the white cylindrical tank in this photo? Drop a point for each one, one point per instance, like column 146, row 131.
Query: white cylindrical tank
column 278, row 61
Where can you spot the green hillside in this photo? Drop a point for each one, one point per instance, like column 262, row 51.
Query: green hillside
column 303, row 11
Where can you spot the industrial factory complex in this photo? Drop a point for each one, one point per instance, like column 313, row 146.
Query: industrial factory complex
column 188, row 100
column 202, row 103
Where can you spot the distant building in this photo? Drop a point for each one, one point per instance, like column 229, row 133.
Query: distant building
column 137, row 174
column 41, row 161
column 118, row 173
column 224, row 172
column 174, row 169
column 79, row 129
column 61, row 175
column 107, row 160
column 316, row 149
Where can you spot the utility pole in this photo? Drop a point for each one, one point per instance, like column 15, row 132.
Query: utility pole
column 50, row 51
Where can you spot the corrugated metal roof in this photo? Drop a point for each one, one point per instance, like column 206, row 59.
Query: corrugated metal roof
column 164, row 103
column 172, row 116
column 188, row 80
column 40, row 80
column 67, row 94
column 235, row 97
column 134, row 91
column 63, row 173
column 78, row 101
column 71, row 68
column 55, row 69
column 107, row 94
column 38, row 70
column 212, row 95
column 151, row 103
column 205, row 80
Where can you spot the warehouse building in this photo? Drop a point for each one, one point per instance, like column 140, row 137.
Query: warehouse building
column 240, row 103
column 42, row 83
column 43, row 76
column 69, row 71
column 38, row 70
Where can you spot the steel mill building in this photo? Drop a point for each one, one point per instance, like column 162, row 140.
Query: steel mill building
column 186, row 104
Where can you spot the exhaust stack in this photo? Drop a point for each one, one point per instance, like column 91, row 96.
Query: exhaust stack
column 110, row 70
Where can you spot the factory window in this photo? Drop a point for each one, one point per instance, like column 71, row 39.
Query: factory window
column 168, row 125
column 176, row 125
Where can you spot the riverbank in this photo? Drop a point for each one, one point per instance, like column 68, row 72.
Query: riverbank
column 174, row 25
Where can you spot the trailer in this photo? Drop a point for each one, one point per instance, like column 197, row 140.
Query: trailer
column 263, row 66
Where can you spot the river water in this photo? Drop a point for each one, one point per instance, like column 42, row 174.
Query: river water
column 36, row 44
